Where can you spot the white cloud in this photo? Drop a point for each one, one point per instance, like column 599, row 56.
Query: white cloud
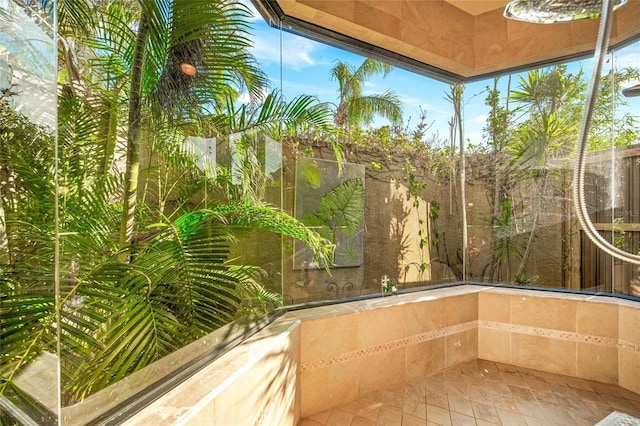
column 631, row 59
column 416, row 102
column 256, row 15
column 297, row 52
column 245, row 98
column 482, row 118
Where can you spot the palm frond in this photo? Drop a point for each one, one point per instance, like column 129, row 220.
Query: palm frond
column 268, row 219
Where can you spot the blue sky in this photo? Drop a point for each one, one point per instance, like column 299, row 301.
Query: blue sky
column 306, row 65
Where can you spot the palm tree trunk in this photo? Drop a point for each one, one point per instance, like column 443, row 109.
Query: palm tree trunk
column 4, row 239
column 7, row 203
column 457, row 92
column 133, row 134
column 534, row 227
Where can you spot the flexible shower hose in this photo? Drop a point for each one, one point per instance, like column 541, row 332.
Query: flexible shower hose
column 604, row 32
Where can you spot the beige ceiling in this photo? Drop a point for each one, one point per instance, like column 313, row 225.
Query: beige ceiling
column 453, row 40
column 476, row 7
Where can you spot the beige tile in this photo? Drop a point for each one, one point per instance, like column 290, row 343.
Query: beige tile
column 487, row 365
column 460, row 405
column 531, row 409
column 310, row 422
column 558, row 415
column 630, row 324
column 494, row 307
column 423, row 316
column 371, row 17
column 532, row 421
column 599, row 411
column 437, row 399
column 461, row 309
column 597, row 362
column 521, row 393
column 544, row 353
column 368, row 409
column 631, row 396
column 415, row 408
column 339, row 417
column 620, row 404
column 425, row 358
column 485, row 412
column 414, row 391
column 456, row 389
column 321, row 417
column 272, row 380
column 326, row 337
column 530, row 373
column 458, row 419
column 328, row 387
column 381, row 371
column 379, row 326
column 476, row 393
column 362, row 421
column 544, row 312
column 494, row 344
column 507, row 403
column 629, row 370
column 584, row 416
column 438, row 415
column 546, row 397
column 294, row 351
column 461, row 347
column 506, row 368
column 604, row 389
column 389, row 416
column 408, row 420
column 394, row 399
column 513, row 379
column 597, row 319
column 511, row 418
column 351, row 407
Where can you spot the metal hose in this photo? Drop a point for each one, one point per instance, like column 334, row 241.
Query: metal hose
column 604, row 32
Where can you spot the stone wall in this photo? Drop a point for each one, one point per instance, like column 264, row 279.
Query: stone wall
column 396, row 222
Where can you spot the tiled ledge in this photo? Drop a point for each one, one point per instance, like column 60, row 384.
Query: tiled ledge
column 256, row 383
column 424, row 337
column 315, row 359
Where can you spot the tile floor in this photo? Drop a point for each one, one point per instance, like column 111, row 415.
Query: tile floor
column 486, row 393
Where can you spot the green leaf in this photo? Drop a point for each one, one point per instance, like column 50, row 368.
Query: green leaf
column 343, row 206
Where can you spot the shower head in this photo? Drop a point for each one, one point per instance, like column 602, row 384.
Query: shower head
column 550, row 11
column 632, row 91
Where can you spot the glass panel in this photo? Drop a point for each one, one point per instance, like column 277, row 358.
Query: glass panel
column 29, row 364
column 522, row 225
column 170, row 224
column 401, row 171
column 181, row 173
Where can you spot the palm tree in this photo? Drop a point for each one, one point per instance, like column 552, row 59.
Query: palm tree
column 549, row 100
column 137, row 279
column 354, row 107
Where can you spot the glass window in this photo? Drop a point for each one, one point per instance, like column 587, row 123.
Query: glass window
column 28, row 211
column 171, row 176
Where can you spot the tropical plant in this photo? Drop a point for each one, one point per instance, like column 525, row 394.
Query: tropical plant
column 340, row 213
column 537, row 126
column 142, row 257
column 356, row 108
